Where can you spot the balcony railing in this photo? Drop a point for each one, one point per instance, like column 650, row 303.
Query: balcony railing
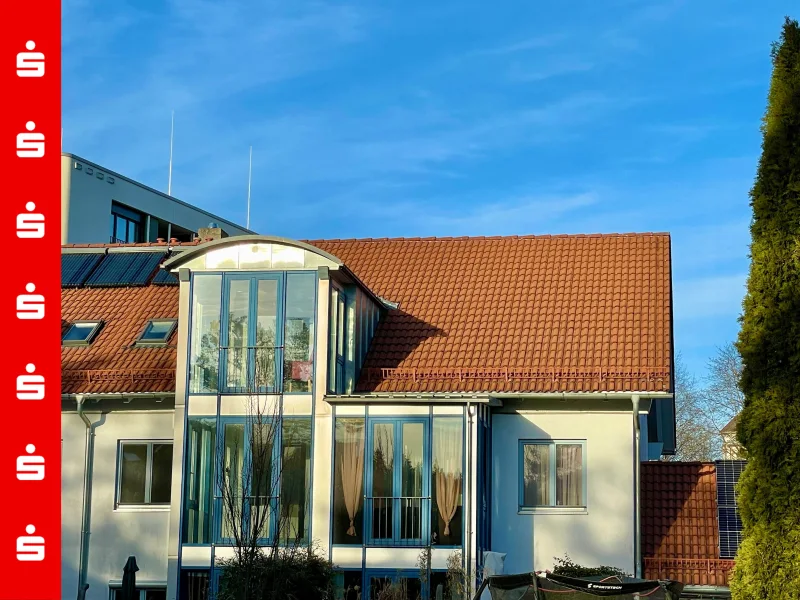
column 398, row 520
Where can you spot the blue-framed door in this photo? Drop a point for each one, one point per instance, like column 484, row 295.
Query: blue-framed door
column 251, row 482
column 398, row 481
column 252, row 333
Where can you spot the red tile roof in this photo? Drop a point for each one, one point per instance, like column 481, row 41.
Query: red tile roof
column 111, row 363
column 680, row 531
column 529, row 313
column 535, row 313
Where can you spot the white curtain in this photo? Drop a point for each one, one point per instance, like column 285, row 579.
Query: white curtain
column 352, row 469
column 447, row 467
column 569, row 475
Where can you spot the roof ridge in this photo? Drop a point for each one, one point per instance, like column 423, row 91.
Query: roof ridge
column 164, row 244
column 492, row 237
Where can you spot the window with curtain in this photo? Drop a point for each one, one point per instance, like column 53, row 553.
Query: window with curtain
column 447, row 484
column 144, row 473
column 552, row 474
column 204, row 356
column 348, row 485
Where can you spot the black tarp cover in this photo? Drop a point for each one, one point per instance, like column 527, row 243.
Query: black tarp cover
column 532, row 586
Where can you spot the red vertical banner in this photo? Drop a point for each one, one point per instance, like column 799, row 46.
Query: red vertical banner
column 30, row 454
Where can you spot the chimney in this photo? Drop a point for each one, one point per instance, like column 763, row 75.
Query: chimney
column 212, row 232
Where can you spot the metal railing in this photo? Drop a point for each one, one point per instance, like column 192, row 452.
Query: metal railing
column 398, row 520
column 223, row 532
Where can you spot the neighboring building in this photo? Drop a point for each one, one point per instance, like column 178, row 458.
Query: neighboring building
column 100, row 206
column 474, row 393
column 731, row 448
column 691, row 527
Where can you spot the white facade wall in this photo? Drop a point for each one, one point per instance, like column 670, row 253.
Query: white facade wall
column 603, row 534
column 115, row 534
column 86, row 204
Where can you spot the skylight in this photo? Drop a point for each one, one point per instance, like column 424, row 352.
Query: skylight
column 81, row 333
column 157, row 331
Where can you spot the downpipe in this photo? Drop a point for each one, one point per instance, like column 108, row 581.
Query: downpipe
column 637, row 526
column 88, row 466
column 470, row 575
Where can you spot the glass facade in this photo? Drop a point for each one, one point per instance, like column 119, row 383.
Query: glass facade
column 253, row 333
column 411, row 471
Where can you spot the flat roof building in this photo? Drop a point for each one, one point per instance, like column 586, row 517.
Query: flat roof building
column 101, row 206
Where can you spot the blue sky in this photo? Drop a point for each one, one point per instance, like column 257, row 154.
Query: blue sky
column 418, row 118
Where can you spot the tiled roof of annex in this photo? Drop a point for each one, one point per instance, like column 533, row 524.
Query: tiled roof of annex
column 680, row 530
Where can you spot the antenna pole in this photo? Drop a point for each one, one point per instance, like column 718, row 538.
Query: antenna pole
column 249, row 179
column 171, row 135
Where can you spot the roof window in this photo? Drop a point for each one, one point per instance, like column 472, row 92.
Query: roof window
column 156, row 332
column 81, row 333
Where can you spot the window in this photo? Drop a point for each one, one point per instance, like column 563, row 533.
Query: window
column 81, row 333
column 148, row 593
column 298, row 353
column 447, row 481
column 253, row 333
column 398, row 477
column 144, row 473
column 348, row 485
column 552, row 474
column 156, row 332
column 347, row 585
column 206, row 311
column 251, row 455
column 336, row 344
column 199, row 494
column 126, row 225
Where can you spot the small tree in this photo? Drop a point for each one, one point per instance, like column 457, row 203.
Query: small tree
column 768, row 561
column 697, row 437
column 271, row 559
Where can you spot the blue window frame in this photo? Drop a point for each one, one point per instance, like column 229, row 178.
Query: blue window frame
column 552, row 474
column 250, row 484
column 397, row 495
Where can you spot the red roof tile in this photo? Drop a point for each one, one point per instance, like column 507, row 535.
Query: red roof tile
column 680, row 532
column 532, row 313
column 111, row 363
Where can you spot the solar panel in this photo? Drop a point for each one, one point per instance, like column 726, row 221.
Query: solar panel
column 730, row 523
column 75, row 268
column 164, row 277
column 125, row 269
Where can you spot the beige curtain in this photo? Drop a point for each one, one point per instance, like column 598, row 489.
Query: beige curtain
column 352, row 468
column 569, row 475
column 447, row 441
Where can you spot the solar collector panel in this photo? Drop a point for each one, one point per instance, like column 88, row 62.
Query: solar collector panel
column 125, row 269
column 730, row 523
column 76, row 268
column 164, row 277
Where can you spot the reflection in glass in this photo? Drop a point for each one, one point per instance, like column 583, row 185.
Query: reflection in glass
column 238, row 310
column 199, row 480
column 536, row 475
column 134, row 474
column 299, row 337
column 295, row 480
column 382, row 476
column 262, row 487
column 411, row 478
column 232, row 465
column 204, row 359
column 266, row 333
